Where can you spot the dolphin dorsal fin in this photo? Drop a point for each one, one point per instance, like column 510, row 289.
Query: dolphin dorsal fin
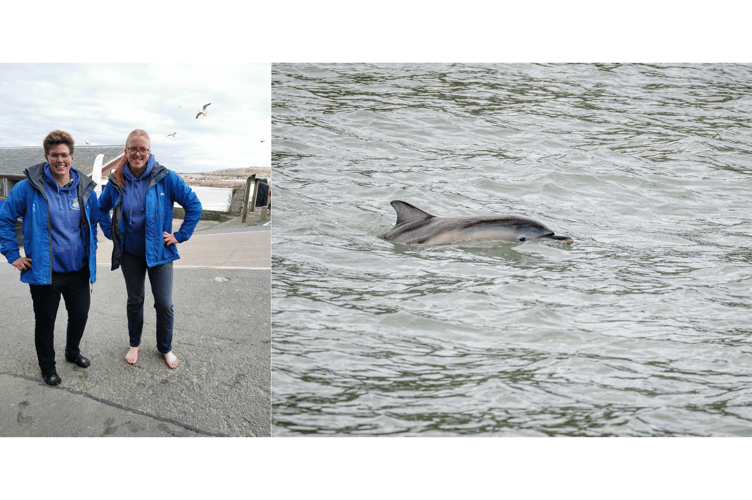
column 408, row 213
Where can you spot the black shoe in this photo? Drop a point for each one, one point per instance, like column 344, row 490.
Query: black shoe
column 52, row 378
column 80, row 361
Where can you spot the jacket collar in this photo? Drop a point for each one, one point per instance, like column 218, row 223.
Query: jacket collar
column 118, row 177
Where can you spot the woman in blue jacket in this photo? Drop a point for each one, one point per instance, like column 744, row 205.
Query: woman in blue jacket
column 141, row 193
column 59, row 210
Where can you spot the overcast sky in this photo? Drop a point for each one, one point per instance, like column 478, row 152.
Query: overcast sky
column 102, row 103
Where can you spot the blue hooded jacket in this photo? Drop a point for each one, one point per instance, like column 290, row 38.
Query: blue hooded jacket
column 165, row 188
column 134, row 209
column 28, row 199
column 64, row 209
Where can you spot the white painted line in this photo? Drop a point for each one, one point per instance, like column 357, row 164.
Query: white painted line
column 221, row 234
column 219, row 267
column 209, row 267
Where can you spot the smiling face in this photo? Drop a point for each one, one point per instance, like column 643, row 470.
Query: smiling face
column 139, row 157
column 60, row 161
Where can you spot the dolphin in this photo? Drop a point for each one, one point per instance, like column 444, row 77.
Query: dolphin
column 416, row 227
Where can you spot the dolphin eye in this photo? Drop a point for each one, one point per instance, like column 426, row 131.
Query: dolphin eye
column 522, row 239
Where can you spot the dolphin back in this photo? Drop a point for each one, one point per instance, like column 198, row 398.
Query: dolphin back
column 407, row 213
column 409, row 220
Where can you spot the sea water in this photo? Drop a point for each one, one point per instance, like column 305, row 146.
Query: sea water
column 640, row 328
column 213, row 198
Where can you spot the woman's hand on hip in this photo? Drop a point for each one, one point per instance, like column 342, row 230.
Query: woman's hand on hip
column 22, row 263
column 169, row 239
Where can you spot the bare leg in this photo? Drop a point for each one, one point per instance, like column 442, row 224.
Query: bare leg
column 132, row 355
column 171, row 360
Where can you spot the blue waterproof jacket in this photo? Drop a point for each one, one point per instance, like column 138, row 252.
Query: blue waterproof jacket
column 165, row 188
column 27, row 200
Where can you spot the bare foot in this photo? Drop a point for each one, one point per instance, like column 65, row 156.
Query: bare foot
column 171, row 360
column 132, row 355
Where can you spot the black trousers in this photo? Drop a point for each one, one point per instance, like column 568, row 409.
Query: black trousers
column 74, row 287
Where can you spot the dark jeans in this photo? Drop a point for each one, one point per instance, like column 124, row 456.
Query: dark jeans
column 74, row 288
column 160, row 278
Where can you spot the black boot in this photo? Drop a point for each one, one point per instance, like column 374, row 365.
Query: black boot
column 79, row 360
column 52, row 378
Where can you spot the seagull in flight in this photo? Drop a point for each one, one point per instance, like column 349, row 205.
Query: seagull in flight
column 202, row 111
column 172, row 134
column 87, row 141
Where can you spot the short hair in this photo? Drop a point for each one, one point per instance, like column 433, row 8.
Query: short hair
column 137, row 133
column 58, row 137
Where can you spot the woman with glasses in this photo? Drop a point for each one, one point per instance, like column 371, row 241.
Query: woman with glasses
column 141, row 193
column 59, row 210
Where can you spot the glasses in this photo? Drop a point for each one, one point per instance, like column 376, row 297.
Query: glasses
column 143, row 151
column 63, row 156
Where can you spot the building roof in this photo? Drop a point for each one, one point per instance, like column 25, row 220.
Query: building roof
column 13, row 161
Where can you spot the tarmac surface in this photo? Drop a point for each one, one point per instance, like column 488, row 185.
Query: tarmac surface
column 222, row 336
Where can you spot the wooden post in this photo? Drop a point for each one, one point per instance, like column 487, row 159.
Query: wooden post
column 246, row 195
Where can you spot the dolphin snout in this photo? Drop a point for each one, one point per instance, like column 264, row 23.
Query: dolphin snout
column 561, row 239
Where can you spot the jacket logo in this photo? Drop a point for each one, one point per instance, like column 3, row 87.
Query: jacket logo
column 74, row 204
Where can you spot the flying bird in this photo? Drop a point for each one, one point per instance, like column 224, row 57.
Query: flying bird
column 87, row 141
column 202, row 111
column 262, row 140
column 172, row 134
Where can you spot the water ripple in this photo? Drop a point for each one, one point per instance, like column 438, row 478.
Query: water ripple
column 641, row 328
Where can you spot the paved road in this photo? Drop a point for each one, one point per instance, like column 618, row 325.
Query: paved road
column 222, row 335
